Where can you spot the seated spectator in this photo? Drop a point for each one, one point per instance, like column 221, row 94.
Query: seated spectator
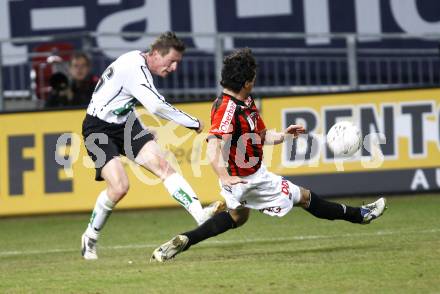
column 81, row 85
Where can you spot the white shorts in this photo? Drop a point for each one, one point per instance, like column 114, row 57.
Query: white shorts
column 264, row 191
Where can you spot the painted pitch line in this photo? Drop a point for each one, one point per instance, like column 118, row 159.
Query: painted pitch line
column 212, row 242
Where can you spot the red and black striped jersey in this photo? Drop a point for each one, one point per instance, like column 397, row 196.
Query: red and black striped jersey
column 239, row 125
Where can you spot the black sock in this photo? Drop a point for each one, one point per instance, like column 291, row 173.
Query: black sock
column 217, row 224
column 331, row 210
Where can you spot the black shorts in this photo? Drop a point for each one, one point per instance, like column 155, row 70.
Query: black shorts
column 106, row 141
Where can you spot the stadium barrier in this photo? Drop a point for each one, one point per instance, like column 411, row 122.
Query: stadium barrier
column 288, row 62
column 44, row 167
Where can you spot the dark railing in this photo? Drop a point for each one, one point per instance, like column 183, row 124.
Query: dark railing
column 285, row 66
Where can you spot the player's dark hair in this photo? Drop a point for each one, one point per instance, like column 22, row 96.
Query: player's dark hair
column 239, row 67
column 166, row 41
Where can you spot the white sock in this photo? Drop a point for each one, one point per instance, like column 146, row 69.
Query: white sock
column 101, row 212
column 182, row 192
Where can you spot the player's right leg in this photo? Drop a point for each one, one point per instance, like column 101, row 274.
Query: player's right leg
column 117, row 187
column 324, row 209
column 151, row 157
column 214, row 226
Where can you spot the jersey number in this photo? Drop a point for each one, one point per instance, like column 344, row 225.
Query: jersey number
column 107, row 75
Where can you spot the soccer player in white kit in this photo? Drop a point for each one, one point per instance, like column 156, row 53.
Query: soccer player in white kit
column 235, row 148
column 110, row 115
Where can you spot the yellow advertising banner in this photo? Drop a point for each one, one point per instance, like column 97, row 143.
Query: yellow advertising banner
column 401, row 145
column 44, row 167
column 400, row 130
column 37, row 175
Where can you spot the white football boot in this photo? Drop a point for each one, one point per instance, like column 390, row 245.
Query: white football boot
column 88, row 247
column 169, row 249
column 373, row 210
column 211, row 210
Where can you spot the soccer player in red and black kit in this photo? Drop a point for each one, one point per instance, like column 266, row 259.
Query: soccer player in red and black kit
column 235, row 149
column 240, row 125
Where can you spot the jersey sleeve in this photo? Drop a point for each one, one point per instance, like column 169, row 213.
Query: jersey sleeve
column 142, row 88
column 260, row 123
column 222, row 120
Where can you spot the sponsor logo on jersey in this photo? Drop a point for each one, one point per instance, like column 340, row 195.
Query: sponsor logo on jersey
column 227, row 116
column 127, row 108
column 285, row 189
column 272, row 209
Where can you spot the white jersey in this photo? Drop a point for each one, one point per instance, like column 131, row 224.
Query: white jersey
column 126, row 81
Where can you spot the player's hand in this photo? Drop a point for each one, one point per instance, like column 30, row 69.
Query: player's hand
column 232, row 180
column 201, row 126
column 295, row 130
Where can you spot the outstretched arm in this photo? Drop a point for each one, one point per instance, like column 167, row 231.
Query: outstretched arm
column 140, row 85
column 157, row 105
column 273, row 138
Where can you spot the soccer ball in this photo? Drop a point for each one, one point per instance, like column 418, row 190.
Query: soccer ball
column 344, row 139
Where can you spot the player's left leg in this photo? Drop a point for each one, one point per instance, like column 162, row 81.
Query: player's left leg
column 214, row 226
column 117, row 187
column 324, row 209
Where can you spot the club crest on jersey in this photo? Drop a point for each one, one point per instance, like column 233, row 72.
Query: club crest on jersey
column 248, row 101
column 227, row 116
column 252, row 120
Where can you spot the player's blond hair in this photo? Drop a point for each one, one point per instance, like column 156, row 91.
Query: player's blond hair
column 165, row 42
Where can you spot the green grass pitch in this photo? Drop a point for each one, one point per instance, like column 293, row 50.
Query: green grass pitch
column 399, row 253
